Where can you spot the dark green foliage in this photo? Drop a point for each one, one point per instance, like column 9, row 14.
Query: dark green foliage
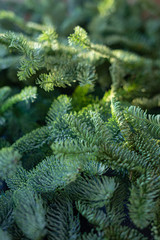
column 81, row 162
column 62, row 224
column 8, row 161
column 6, row 211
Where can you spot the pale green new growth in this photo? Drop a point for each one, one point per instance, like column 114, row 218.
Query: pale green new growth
column 48, row 37
column 79, row 38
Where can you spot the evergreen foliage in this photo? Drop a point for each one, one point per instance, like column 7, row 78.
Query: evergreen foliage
column 80, row 152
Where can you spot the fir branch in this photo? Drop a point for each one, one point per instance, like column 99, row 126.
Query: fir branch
column 86, row 74
column 54, row 79
column 29, row 213
column 72, row 149
column 94, row 216
column 94, row 191
column 79, row 38
column 80, row 128
column 49, row 38
column 46, row 134
column 58, row 109
column 125, row 128
column 97, row 217
column 6, row 210
column 35, row 139
column 51, row 174
column 156, row 221
column 62, row 224
column 116, row 156
column 31, row 59
column 19, row 178
column 150, row 123
column 28, row 93
column 106, row 159
column 148, row 148
column 142, row 199
column 9, row 159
